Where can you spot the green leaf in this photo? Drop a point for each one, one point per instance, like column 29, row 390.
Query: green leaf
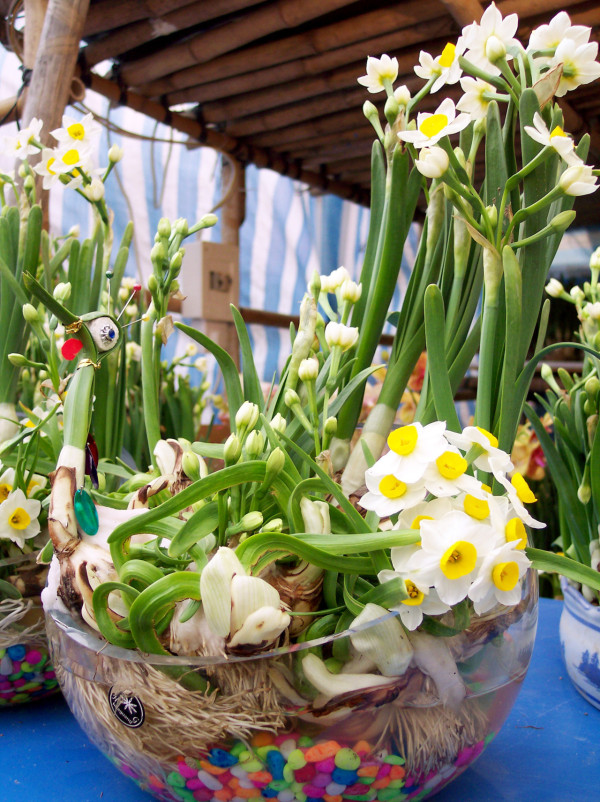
column 252, row 386
column 198, row 525
column 233, row 387
column 565, row 566
column 435, row 325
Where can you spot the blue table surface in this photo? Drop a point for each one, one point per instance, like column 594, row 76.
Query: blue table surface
column 548, row 748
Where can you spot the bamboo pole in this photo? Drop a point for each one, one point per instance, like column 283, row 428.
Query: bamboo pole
column 300, row 68
column 55, row 62
column 207, row 45
column 464, row 11
column 300, row 46
column 129, row 36
column 330, row 125
column 35, row 12
column 245, row 152
column 104, row 15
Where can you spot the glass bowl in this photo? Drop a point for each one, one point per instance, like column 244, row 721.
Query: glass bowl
column 26, row 673
column 259, row 731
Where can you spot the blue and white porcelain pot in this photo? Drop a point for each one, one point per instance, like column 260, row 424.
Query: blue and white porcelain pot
column 580, row 643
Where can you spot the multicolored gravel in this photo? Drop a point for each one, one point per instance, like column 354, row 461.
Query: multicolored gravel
column 25, row 674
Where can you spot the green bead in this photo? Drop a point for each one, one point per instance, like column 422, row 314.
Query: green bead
column 86, row 512
column 175, row 780
column 296, row 759
column 347, row 759
column 394, row 760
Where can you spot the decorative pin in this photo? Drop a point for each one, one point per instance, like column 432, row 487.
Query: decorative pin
column 91, row 460
column 70, row 348
column 86, row 512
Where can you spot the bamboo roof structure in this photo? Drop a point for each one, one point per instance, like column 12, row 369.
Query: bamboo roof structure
column 273, row 82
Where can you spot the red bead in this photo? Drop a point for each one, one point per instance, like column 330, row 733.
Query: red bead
column 71, row 348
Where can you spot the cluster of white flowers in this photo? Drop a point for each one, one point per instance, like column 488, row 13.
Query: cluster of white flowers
column 73, row 155
column 18, row 513
column 471, row 541
column 488, row 44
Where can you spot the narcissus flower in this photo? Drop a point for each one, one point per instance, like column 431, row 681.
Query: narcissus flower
column 81, row 133
column 19, row 518
column 432, row 162
column 557, row 139
column 499, row 577
column 477, row 97
column 412, row 448
column 388, row 495
column 336, row 334
column 491, row 37
column 432, row 127
column 579, row 65
column 445, row 67
column 549, row 36
column 380, row 71
column 578, row 179
column 487, row 443
column 447, row 475
column 452, row 549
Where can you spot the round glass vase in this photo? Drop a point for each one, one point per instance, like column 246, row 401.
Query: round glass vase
column 260, row 731
column 26, row 673
column 579, row 632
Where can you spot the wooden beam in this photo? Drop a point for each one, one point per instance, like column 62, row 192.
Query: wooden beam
column 207, row 45
column 104, row 15
column 318, row 42
column 55, row 63
column 245, row 152
column 35, row 13
column 145, row 30
column 464, row 12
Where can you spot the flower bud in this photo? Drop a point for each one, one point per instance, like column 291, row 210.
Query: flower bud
column 255, row 444
column 115, row 154
column 495, row 49
column 164, row 227
column 275, row 461
column 157, row 254
column 554, row 288
column 577, row 294
column 308, row 369
column 391, row 109
column 351, row 291
column 370, row 111
column 62, row 291
column 492, row 213
column 30, row 313
column 232, row 449
column 278, row 423
column 592, row 386
column 291, row 398
column 562, row 220
column 315, row 284
column 593, row 310
column 250, row 522
column 193, row 465
column 152, row 284
column 209, row 220
column 247, row 416
column 176, row 262
column 330, row 427
column 595, row 260
column 74, row 231
column 402, row 95
column 18, row 360
column 94, row 191
column 274, row 525
column 584, row 493
column 336, row 334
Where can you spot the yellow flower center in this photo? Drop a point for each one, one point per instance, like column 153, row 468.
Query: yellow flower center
column 448, row 55
column 432, row 125
column 515, row 530
column 558, row 131
column 415, row 596
column 32, row 487
column 416, row 524
column 459, row 560
column 5, row 491
column 403, row 441
column 76, row 131
column 493, row 440
column 71, row 157
column 391, row 487
column 524, row 492
column 49, row 164
column 505, row 575
column 477, row 508
column 487, row 488
column 19, row 519
column 451, row 465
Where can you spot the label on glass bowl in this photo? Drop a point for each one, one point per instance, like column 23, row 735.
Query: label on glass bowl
column 129, row 710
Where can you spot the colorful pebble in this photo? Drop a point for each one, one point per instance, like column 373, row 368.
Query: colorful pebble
column 22, row 677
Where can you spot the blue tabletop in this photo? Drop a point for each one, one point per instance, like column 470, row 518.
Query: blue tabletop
column 547, row 750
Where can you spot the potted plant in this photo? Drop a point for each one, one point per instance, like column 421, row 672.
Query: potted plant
column 234, row 622
column 573, row 460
